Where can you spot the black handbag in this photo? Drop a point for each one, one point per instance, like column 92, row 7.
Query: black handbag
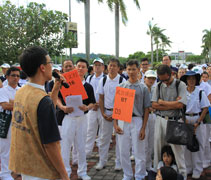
column 194, row 147
column 179, row 133
column 5, row 120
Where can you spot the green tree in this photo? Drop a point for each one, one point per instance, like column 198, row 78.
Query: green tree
column 206, row 40
column 119, row 6
column 137, row 55
column 194, row 58
column 34, row 25
column 158, row 38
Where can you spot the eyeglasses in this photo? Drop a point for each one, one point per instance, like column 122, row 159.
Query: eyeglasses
column 15, row 75
column 166, row 80
column 50, row 62
column 144, row 64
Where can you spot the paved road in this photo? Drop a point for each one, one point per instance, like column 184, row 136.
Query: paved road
column 108, row 172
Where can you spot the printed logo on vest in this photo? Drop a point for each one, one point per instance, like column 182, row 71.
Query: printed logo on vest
column 18, row 117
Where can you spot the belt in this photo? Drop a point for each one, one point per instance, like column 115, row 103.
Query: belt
column 133, row 115
column 109, row 109
column 171, row 118
column 193, row 114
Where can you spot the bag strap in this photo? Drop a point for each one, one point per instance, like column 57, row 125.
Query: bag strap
column 91, row 78
column 104, row 80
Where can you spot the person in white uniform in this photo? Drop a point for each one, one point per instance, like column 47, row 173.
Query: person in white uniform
column 94, row 115
column 165, row 101
column 196, row 109
column 136, row 129
column 150, row 78
column 204, row 85
column 106, row 90
column 74, row 128
column 7, row 95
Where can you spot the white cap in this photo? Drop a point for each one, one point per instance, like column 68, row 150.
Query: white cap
column 204, row 65
column 98, row 60
column 183, row 66
column 197, row 69
column 5, row 65
column 150, row 73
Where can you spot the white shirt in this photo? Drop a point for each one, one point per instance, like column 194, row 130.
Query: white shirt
column 194, row 105
column 108, row 90
column 5, row 83
column 7, row 93
column 206, row 87
column 94, row 82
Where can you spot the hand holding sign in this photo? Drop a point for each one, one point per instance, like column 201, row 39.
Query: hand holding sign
column 123, row 104
column 75, row 83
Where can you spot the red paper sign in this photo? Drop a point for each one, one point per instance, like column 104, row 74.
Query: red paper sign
column 123, row 104
column 76, row 86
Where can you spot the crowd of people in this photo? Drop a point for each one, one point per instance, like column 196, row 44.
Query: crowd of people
column 42, row 134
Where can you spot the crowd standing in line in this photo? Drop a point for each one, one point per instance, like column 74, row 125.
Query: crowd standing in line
column 42, row 133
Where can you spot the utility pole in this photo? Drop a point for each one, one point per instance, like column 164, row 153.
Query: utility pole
column 71, row 57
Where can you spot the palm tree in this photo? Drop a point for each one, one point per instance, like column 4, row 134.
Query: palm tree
column 87, row 25
column 164, row 42
column 206, row 40
column 151, row 33
column 119, row 6
column 158, row 33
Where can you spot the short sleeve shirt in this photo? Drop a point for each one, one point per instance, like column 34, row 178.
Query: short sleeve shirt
column 47, row 122
column 94, row 82
column 142, row 97
column 194, row 105
column 7, row 93
column 46, row 119
column 108, row 90
column 206, row 87
column 169, row 93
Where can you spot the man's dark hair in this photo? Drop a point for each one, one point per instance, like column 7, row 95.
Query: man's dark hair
column 11, row 69
column 90, row 69
column 66, row 60
column 84, row 61
column 31, row 59
column 167, row 55
column 190, row 66
column 168, row 173
column 23, row 75
column 164, row 69
column 121, row 67
column 205, row 72
column 144, row 59
column 132, row 62
column 114, row 60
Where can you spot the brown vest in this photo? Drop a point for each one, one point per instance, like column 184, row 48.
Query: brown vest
column 27, row 154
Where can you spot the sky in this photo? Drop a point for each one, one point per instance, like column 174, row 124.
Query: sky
column 183, row 21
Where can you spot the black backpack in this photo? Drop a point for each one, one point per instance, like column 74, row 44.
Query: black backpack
column 105, row 78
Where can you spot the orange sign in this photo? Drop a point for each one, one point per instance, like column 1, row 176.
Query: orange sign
column 123, row 104
column 76, row 86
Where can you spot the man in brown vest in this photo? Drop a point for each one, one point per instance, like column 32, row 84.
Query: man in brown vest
column 35, row 147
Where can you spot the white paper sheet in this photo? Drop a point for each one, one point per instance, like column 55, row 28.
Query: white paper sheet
column 75, row 101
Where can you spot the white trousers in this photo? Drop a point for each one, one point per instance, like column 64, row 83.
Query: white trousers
column 5, row 173
column 159, row 142
column 206, row 145
column 193, row 160
column 131, row 131
column 149, row 142
column 73, row 129
column 106, row 134
column 94, row 121
column 25, row 177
